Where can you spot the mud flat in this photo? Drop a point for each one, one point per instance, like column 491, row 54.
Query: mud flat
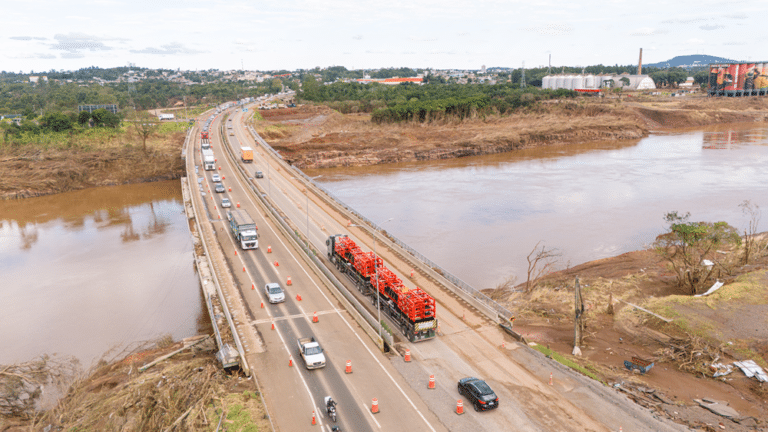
column 317, row 137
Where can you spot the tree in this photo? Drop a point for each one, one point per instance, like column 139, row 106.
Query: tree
column 102, row 117
column 83, row 117
column 687, row 245
column 145, row 126
column 56, row 122
column 540, row 262
column 624, row 81
column 753, row 211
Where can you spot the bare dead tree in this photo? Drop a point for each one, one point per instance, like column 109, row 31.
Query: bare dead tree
column 753, row 211
column 540, row 262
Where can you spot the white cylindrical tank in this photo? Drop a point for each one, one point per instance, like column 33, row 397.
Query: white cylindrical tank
column 569, row 82
column 560, row 82
column 578, row 82
column 545, row 82
column 589, row 82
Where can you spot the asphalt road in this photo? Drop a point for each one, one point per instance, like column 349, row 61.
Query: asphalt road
column 292, row 393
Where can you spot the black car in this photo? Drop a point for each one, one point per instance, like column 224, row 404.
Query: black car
column 479, row 393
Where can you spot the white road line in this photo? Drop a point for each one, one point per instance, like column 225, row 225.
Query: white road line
column 279, row 333
column 413, row 405
column 288, row 317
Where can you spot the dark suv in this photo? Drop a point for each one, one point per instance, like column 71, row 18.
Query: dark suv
column 479, row 393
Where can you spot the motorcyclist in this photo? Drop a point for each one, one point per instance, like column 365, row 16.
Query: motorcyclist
column 330, row 403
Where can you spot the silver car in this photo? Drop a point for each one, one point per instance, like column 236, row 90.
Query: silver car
column 216, row 178
column 219, row 188
column 274, row 292
column 225, row 202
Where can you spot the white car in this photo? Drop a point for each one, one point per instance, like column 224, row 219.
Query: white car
column 225, row 202
column 216, row 178
column 274, row 292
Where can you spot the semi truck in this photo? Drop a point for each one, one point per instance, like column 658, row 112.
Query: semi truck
column 412, row 310
column 243, row 228
column 311, row 352
column 246, row 154
column 209, row 161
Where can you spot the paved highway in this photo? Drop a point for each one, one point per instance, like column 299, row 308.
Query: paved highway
column 292, row 393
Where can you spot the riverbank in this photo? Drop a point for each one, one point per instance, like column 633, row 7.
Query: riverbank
column 313, row 137
column 65, row 163
column 726, row 326
column 189, row 390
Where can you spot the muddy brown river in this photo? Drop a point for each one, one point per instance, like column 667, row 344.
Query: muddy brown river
column 479, row 217
column 91, row 271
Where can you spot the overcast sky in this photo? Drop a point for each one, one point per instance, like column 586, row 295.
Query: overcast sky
column 41, row 35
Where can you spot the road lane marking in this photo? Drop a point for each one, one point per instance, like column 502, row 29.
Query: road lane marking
column 295, row 316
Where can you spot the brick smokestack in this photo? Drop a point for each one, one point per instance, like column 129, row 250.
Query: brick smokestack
column 640, row 63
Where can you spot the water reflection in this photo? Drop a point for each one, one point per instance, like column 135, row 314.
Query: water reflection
column 479, row 217
column 88, row 270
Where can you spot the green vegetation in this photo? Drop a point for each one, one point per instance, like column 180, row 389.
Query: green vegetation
column 687, row 244
column 567, row 362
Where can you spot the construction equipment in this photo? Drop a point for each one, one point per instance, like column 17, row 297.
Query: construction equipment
column 412, row 310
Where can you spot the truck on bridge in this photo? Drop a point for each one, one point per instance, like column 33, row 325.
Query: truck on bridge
column 209, row 161
column 243, row 228
column 412, row 310
column 246, row 154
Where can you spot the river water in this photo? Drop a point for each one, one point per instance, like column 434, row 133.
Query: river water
column 95, row 270
column 479, row 217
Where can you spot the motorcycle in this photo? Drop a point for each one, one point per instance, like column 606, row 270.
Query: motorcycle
column 330, row 407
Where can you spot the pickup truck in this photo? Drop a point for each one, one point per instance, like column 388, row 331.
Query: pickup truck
column 311, row 352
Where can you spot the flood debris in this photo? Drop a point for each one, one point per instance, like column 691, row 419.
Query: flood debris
column 751, row 369
column 24, row 386
column 716, row 286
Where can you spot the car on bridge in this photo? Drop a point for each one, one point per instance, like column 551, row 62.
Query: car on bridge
column 479, row 393
column 216, row 178
column 259, row 174
column 225, row 203
column 219, row 188
column 274, row 292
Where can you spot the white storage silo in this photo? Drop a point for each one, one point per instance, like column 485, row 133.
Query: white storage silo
column 560, row 82
column 545, row 82
column 589, row 82
column 578, row 82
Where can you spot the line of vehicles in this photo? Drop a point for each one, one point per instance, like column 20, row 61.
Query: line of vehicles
column 413, row 310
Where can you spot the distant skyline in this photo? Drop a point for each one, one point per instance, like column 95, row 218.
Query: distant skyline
column 41, row 35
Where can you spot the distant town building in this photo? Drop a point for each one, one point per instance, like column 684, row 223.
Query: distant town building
column 166, row 117
column 482, row 69
column 91, row 108
column 34, row 79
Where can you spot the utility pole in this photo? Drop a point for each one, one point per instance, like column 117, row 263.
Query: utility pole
column 578, row 321
column 549, row 69
column 522, row 77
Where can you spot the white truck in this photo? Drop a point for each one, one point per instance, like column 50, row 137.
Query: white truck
column 209, row 161
column 311, row 352
column 243, row 228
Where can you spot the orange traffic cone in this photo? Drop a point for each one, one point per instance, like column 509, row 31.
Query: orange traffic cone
column 431, row 382
column 314, row 318
column 273, row 325
column 411, row 273
column 230, row 189
column 503, row 345
column 277, row 264
column 219, row 216
column 407, row 356
column 550, row 378
column 349, row 367
column 253, row 287
column 375, row 406
column 243, row 268
column 289, row 281
column 298, row 297
column 238, row 204
column 262, row 305
column 314, row 421
column 290, row 361
column 459, row 407
column 223, row 177
column 235, row 251
column 269, row 249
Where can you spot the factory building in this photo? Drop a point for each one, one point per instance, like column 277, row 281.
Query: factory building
column 594, row 82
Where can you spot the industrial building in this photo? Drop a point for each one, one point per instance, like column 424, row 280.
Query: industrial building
column 595, row 82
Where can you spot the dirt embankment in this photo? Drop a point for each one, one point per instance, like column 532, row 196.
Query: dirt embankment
column 33, row 170
column 726, row 326
column 317, row 137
